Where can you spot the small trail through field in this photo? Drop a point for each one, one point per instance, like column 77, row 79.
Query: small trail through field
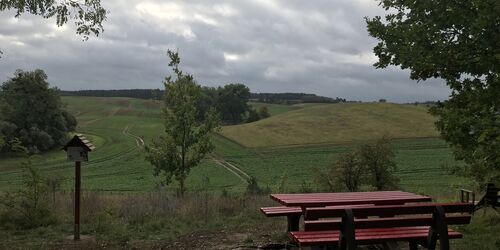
column 138, row 140
column 244, row 177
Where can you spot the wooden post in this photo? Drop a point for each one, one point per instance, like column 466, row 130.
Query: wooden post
column 77, row 200
column 77, row 149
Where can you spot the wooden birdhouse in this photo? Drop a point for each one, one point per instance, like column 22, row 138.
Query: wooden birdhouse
column 78, row 147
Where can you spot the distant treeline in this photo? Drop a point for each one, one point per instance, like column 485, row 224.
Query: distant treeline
column 157, row 94
column 293, row 98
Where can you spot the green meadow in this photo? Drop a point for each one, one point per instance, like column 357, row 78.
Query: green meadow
column 291, row 147
column 136, row 216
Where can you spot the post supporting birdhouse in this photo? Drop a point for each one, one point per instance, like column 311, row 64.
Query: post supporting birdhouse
column 77, row 149
column 77, row 199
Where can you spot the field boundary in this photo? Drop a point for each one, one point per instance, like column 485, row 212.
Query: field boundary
column 325, row 144
column 231, row 140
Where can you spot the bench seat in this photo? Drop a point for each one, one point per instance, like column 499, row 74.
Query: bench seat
column 322, row 225
column 281, row 211
column 367, row 236
column 418, row 224
column 292, row 214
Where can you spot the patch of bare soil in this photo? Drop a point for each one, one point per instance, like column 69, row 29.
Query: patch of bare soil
column 226, row 240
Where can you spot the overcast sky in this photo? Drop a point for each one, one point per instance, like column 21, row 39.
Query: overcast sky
column 319, row 47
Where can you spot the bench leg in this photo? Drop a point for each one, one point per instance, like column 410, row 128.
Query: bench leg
column 413, row 245
column 438, row 231
column 347, row 237
column 293, row 223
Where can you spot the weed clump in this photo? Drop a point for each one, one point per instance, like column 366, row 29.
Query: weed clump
column 28, row 207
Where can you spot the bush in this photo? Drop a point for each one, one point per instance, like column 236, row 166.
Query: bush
column 264, row 112
column 28, row 207
column 253, row 187
column 253, row 116
column 344, row 175
column 350, row 171
column 371, row 164
column 378, row 160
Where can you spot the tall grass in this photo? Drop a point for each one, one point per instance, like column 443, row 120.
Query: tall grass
column 121, row 219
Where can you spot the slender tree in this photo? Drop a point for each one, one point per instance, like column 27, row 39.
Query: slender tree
column 187, row 139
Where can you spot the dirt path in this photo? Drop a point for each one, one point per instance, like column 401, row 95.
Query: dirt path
column 244, row 177
column 138, row 140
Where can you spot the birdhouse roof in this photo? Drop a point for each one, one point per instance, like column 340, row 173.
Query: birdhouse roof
column 79, row 141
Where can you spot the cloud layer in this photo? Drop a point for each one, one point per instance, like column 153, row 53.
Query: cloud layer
column 317, row 47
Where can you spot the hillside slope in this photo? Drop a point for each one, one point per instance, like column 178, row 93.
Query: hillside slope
column 335, row 123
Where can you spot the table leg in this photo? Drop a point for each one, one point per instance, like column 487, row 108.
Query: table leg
column 293, row 223
column 413, row 245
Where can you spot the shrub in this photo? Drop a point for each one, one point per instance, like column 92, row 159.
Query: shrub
column 253, row 187
column 371, row 164
column 378, row 160
column 27, row 207
column 264, row 112
column 344, row 175
column 253, row 116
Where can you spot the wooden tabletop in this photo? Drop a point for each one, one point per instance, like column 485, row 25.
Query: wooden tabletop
column 348, row 198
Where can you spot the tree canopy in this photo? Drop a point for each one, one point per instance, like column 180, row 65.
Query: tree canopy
column 457, row 41
column 32, row 112
column 187, row 138
column 232, row 102
column 88, row 14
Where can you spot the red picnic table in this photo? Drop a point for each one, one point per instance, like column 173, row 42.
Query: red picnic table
column 295, row 204
column 348, row 198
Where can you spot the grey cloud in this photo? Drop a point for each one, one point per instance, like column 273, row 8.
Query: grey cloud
column 317, row 47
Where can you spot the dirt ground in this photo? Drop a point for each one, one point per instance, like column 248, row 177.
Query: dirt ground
column 198, row 240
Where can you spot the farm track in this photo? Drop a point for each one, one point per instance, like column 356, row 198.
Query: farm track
column 90, row 163
column 104, row 159
column 244, row 177
column 138, row 140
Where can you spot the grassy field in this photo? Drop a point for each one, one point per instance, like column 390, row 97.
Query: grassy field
column 134, row 217
column 335, row 123
column 119, row 126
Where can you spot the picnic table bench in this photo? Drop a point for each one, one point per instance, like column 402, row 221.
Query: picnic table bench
column 293, row 214
column 490, row 198
column 419, row 224
column 294, row 205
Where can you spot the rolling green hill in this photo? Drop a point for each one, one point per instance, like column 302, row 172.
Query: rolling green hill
column 335, row 123
column 120, row 126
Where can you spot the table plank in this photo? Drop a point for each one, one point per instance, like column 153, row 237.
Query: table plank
column 348, row 198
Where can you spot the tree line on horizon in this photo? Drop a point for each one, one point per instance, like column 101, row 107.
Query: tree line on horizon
column 158, row 94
